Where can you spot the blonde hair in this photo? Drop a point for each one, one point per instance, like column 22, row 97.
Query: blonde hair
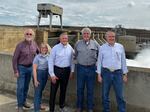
column 47, row 45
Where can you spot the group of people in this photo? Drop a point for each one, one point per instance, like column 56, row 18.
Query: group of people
column 59, row 63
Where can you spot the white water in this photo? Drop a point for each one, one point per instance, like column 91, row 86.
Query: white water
column 141, row 60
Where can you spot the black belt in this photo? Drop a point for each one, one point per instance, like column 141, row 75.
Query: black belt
column 111, row 70
column 62, row 67
column 29, row 65
column 88, row 65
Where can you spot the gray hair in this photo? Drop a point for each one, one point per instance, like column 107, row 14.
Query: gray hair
column 86, row 30
column 106, row 34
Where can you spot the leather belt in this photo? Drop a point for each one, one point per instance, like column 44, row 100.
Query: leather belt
column 88, row 65
column 62, row 67
column 29, row 65
column 111, row 69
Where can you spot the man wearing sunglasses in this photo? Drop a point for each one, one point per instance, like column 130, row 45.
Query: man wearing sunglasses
column 22, row 65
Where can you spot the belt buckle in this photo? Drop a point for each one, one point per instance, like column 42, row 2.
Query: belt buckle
column 111, row 69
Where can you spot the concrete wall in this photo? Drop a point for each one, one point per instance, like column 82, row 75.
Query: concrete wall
column 10, row 36
column 137, row 90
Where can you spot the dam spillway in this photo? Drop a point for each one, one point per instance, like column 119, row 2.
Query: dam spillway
column 136, row 89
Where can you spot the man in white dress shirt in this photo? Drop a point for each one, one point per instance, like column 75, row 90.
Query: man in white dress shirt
column 61, row 68
column 112, row 70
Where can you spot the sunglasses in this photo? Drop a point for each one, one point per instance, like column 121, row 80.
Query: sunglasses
column 29, row 34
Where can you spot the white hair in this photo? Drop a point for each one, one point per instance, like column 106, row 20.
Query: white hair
column 86, row 30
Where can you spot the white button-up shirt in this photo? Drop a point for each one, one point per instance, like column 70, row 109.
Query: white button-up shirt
column 112, row 57
column 61, row 56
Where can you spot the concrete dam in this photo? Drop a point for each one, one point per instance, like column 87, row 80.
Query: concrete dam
column 136, row 90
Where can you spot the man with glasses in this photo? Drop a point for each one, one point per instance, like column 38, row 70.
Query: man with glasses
column 22, row 65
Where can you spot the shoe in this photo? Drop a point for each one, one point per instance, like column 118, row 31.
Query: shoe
column 90, row 110
column 20, row 109
column 42, row 107
column 26, row 105
column 63, row 110
column 79, row 110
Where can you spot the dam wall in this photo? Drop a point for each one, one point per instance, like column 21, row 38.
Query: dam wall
column 11, row 35
column 136, row 90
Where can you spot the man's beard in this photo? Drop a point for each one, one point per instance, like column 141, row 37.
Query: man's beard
column 29, row 39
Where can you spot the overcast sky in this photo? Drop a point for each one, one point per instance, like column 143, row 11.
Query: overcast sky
column 129, row 13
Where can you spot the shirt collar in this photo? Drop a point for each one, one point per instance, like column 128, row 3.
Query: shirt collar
column 41, row 55
column 86, row 42
column 110, row 45
column 28, row 42
column 64, row 46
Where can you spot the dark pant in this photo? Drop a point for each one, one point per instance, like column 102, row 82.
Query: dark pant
column 23, row 84
column 115, row 79
column 85, row 76
column 63, row 75
column 42, row 76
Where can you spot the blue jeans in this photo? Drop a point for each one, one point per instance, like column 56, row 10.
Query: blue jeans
column 85, row 77
column 42, row 76
column 23, row 84
column 115, row 79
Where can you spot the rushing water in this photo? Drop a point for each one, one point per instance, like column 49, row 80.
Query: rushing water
column 141, row 60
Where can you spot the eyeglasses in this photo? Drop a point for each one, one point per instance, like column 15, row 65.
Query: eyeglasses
column 29, row 34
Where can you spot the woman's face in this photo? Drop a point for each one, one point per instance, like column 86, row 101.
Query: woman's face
column 44, row 49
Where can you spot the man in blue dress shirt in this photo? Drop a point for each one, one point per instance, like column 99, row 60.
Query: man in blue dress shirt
column 112, row 70
column 61, row 68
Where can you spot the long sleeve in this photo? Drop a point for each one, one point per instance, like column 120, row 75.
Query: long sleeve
column 72, row 61
column 123, row 63
column 51, row 63
column 15, row 59
column 99, row 62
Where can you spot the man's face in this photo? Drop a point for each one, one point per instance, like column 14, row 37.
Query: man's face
column 64, row 39
column 28, row 35
column 86, row 35
column 110, row 37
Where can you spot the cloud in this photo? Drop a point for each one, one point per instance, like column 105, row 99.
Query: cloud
column 131, row 4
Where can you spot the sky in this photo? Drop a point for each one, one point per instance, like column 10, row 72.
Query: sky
column 129, row 13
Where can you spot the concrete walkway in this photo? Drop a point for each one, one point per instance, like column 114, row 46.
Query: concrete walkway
column 8, row 104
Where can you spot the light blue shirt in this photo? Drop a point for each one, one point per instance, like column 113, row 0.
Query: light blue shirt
column 41, row 61
column 112, row 57
column 61, row 56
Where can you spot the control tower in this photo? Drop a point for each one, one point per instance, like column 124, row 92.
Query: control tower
column 46, row 10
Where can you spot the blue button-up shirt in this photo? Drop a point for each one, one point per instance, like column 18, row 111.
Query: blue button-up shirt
column 41, row 61
column 61, row 56
column 112, row 57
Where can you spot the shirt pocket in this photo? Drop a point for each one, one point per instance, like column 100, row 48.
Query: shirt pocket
column 33, row 50
column 94, row 52
column 118, row 55
column 24, row 51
